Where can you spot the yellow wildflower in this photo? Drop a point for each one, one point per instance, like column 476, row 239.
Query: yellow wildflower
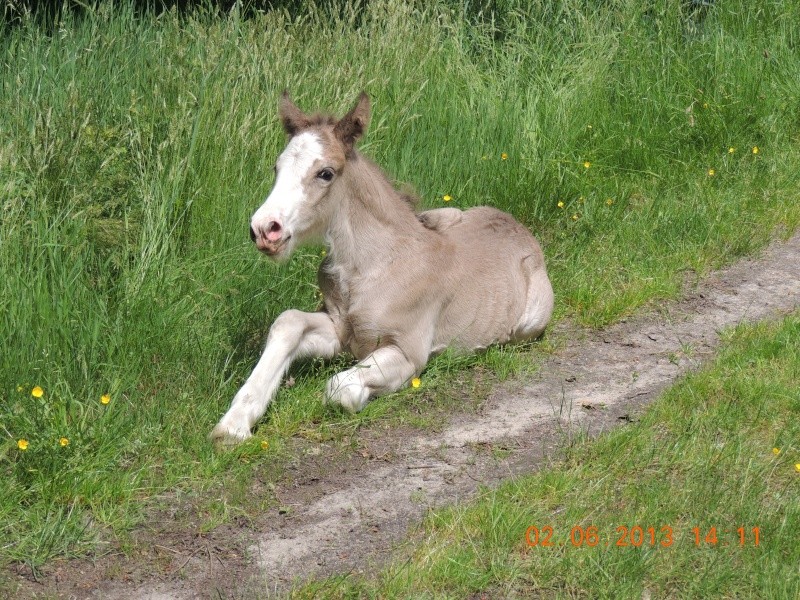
column 504, row 156
column 416, row 382
column 588, row 127
column 797, row 467
column 755, row 150
column 447, row 197
column 705, row 104
column 22, row 444
column 586, row 164
column 731, row 150
column 609, row 202
column 575, row 217
column 711, row 172
column 19, row 388
column 105, row 399
column 37, row 392
column 264, row 444
column 776, row 451
column 560, row 204
column 64, row 442
column 324, row 253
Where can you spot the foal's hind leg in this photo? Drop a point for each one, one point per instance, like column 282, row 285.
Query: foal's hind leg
column 293, row 335
column 538, row 304
column 383, row 371
column 440, row 219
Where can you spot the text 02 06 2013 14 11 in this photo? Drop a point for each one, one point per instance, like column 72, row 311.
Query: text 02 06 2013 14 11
column 638, row 535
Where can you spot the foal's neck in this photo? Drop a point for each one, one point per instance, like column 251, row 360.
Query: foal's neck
column 372, row 222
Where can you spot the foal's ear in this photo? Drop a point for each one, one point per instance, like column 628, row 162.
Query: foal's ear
column 353, row 124
column 294, row 120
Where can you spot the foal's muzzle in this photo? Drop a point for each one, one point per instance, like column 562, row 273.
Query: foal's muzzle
column 270, row 239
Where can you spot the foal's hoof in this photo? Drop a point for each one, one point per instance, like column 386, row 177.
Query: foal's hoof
column 226, row 438
column 351, row 396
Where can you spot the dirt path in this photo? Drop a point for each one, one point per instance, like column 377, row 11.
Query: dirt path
column 348, row 519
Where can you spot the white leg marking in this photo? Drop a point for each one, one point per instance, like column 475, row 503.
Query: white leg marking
column 385, row 370
column 294, row 334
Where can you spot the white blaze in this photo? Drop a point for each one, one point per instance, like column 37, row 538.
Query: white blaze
column 288, row 193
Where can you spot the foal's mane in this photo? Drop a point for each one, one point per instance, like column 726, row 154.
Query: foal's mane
column 408, row 195
column 401, row 190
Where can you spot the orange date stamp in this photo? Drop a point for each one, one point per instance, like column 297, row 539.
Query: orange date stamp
column 636, row 536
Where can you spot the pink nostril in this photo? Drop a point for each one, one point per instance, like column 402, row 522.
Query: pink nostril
column 274, row 231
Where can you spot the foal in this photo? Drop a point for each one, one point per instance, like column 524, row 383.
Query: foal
column 397, row 286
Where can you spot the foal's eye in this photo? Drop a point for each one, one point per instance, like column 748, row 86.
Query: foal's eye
column 325, row 174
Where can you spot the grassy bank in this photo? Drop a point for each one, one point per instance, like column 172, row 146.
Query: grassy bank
column 638, row 144
column 697, row 500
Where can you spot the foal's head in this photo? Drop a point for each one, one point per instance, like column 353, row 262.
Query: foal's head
column 307, row 172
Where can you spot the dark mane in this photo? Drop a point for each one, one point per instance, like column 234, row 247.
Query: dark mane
column 409, row 195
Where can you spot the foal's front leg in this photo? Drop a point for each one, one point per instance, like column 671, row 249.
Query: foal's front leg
column 383, row 371
column 294, row 334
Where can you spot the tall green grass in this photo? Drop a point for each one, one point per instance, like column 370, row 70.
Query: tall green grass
column 134, row 148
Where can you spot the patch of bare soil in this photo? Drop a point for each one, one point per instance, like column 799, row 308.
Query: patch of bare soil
column 349, row 518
